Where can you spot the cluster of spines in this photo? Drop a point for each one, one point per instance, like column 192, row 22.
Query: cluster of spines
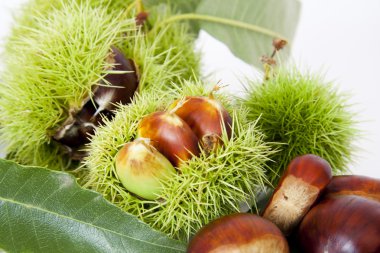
column 306, row 115
column 206, row 187
column 54, row 58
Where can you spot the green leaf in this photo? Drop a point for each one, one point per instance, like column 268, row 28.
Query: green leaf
column 249, row 26
column 47, row 211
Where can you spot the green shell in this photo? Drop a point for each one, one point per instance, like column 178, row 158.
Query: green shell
column 305, row 114
column 56, row 54
column 208, row 186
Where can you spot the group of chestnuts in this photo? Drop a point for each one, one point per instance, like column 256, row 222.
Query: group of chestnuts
column 166, row 139
column 320, row 212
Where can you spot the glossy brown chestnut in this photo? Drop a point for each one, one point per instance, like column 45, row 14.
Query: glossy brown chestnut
column 76, row 131
column 346, row 223
column 170, row 135
column 81, row 122
column 207, row 118
column 122, row 86
column 237, row 233
column 299, row 187
column 354, row 185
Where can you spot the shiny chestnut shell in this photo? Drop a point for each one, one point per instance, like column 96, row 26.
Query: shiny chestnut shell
column 81, row 123
column 207, row 118
column 354, row 185
column 299, row 188
column 240, row 232
column 122, row 86
column 170, row 135
column 349, row 224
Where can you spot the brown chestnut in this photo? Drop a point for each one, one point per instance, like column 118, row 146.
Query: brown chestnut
column 298, row 189
column 207, row 118
column 345, row 223
column 81, row 122
column 240, row 232
column 354, row 185
column 170, row 135
column 122, row 86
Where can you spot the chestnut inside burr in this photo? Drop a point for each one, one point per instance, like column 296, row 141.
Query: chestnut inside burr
column 81, row 123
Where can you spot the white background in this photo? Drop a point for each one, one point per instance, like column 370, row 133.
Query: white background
column 341, row 38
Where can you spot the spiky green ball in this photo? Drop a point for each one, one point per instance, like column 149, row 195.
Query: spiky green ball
column 307, row 115
column 208, row 186
column 53, row 62
column 173, row 42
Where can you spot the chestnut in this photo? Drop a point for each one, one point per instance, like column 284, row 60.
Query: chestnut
column 345, row 223
column 170, row 135
column 298, row 189
column 354, row 185
column 122, row 86
column 141, row 169
column 207, row 118
column 76, row 131
column 241, row 232
column 81, row 123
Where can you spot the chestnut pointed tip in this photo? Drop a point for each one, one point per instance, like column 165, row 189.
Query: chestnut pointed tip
column 211, row 142
column 141, row 18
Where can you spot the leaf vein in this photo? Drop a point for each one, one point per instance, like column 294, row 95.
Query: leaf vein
column 86, row 223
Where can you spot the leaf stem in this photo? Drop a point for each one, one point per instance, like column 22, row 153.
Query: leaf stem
column 225, row 21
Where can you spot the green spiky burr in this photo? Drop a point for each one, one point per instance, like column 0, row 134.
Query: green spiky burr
column 208, row 186
column 57, row 53
column 306, row 115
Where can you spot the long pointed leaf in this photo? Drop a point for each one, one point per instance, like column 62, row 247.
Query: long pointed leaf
column 46, row 211
column 277, row 17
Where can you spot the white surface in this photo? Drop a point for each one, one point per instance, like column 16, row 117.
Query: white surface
column 339, row 37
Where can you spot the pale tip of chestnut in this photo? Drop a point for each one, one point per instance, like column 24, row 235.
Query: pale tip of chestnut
column 142, row 169
column 298, row 189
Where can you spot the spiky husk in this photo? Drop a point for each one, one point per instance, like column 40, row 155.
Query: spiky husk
column 53, row 61
column 174, row 42
column 208, row 186
column 307, row 115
